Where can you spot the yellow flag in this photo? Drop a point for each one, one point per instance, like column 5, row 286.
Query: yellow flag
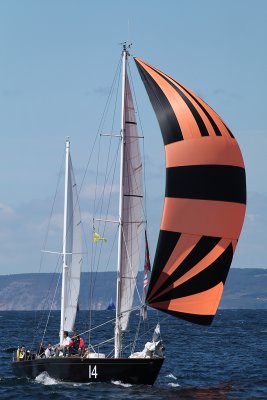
column 97, row 237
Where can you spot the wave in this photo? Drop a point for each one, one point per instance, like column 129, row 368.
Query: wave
column 171, row 376
column 11, row 381
column 172, row 384
column 8, row 350
column 119, row 383
column 45, row 379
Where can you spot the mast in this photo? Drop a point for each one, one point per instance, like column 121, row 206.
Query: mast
column 64, row 266
column 117, row 340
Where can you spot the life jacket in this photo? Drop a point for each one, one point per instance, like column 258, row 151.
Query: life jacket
column 21, row 355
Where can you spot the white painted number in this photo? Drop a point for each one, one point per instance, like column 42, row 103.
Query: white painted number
column 92, row 372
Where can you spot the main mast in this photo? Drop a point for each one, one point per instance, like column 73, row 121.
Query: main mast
column 64, row 266
column 117, row 343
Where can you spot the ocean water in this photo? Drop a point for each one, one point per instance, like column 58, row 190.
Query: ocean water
column 227, row 360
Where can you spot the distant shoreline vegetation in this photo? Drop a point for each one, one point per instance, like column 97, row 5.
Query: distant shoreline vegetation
column 245, row 289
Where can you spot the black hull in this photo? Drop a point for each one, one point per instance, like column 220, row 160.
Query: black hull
column 74, row 369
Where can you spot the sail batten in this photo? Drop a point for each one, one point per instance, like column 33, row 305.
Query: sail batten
column 205, row 201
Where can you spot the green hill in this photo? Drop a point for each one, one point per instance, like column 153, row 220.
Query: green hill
column 245, row 288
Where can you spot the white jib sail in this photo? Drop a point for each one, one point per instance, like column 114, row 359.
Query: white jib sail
column 132, row 214
column 73, row 256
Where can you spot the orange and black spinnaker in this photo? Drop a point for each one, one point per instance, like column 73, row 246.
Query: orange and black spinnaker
column 205, row 201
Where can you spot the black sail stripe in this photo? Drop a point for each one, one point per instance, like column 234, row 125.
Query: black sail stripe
column 226, row 127
column 195, row 318
column 211, row 120
column 169, row 125
column 205, row 280
column 207, row 182
column 201, row 125
column 204, row 246
column 166, row 244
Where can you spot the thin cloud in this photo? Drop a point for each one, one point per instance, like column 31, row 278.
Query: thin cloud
column 6, row 210
column 91, row 191
column 102, row 91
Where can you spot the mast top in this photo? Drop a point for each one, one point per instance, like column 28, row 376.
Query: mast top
column 126, row 47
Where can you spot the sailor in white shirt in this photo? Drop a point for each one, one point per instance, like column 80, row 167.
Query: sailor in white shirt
column 64, row 345
column 66, row 339
column 49, row 352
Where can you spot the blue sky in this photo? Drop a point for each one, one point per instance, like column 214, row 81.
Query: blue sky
column 57, row 62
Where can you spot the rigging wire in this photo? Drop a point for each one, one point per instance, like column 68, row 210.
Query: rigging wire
column 42, row 254
column 94, row 249
column 55, row 196
column 85, row 173
column 108, row 205
column 129, row 260
column 44, row 333
column 92, row 283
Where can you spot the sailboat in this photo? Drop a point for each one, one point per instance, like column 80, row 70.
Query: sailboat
column 203, row 213
column 111, row 306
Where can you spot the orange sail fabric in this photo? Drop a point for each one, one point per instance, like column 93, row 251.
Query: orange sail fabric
column 205, row 201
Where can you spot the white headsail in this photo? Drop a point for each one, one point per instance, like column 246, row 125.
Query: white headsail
column 72, row 250
column 132, row 212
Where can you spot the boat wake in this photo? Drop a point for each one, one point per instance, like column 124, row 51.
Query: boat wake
column 45, row 379
column 119, row 383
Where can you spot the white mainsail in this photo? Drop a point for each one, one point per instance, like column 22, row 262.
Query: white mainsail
column 72, row 250
column 132, row 212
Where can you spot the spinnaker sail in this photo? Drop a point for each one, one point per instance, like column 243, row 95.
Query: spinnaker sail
column 205, row 201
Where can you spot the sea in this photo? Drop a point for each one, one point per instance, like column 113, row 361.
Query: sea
column 227, row 360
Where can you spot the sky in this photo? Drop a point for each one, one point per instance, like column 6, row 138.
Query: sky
column 57, row 63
